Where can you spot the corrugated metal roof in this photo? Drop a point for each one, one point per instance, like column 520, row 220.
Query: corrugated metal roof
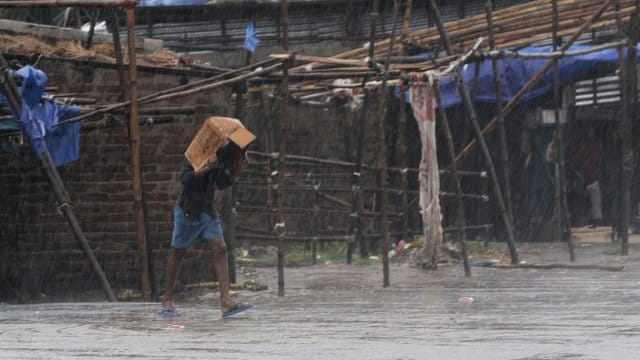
column 344, row 20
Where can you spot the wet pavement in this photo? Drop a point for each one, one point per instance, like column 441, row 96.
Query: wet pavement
column 342, row 312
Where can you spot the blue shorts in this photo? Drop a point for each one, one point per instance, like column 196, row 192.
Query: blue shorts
column 187, row 229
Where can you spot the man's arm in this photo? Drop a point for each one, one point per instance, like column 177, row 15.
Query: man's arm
column 188, row 173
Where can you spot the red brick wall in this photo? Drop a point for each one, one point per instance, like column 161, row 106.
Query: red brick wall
column 38, row 252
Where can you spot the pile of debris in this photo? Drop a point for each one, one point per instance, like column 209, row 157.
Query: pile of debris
column 35, row 40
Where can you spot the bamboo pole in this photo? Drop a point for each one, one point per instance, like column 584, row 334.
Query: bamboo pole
column 382, row 154
column 504, row 149
column 92, row 28
column 460, row 217
column 221, row 80
column 66, row 3
column 134, row 142
column 630, row 91
column 282, row 124
column 563, row 222
column 480, row 138
column 402, row 123
column 64, row 203
column 530, row 84
column 117, row 48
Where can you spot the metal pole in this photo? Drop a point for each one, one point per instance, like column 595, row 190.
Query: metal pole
column 134, row 142
column 480, row 138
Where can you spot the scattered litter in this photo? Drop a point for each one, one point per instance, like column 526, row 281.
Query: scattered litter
column 175, row 327
column 465, row 300
column 373, row 258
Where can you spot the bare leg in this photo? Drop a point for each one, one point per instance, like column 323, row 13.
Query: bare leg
column 222, row 272
column 175, row 259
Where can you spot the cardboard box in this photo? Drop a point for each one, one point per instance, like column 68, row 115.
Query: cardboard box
column 215, row 133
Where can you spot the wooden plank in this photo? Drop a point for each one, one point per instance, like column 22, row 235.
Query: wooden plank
column 321, row 59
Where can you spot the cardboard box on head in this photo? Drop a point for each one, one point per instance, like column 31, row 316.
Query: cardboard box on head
column 215, row 133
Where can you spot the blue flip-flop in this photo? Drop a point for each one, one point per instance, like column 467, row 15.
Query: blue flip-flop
column 169, row 313
column 236, row 309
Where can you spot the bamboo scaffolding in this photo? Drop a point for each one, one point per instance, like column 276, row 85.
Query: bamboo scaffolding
column 254, row 70
column 514, row 26
column 468, row 104
column 531, row 83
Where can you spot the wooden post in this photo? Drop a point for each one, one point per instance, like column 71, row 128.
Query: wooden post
column 92, row 28
column 134, row 142
column 480, row 138
column 358, row 208
column 229, row 215
column 382, row 155
column 355, row 223
column 504, row 149
column 283, row 124
column 229, row 201
column 564, row 223
column 630, row 91
column 64, row 203
column 117, row 48
column 402, row 131
column 460, row 217
column 315, row 222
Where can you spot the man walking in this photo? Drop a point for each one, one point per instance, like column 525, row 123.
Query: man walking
column 194, row 217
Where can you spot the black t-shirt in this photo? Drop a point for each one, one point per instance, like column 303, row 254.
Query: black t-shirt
column 198, row 191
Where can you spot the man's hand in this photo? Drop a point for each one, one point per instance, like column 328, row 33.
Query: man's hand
column 211, row 163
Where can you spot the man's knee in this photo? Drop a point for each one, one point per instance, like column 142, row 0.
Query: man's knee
column 218, row 246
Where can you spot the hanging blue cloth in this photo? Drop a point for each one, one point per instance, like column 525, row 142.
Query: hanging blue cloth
column 515, row 73
column 38, row 119
column 251, row 41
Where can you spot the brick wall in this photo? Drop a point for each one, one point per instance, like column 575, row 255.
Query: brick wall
column 38, row 252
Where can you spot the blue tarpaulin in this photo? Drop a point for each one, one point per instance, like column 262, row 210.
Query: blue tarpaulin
column 39, row 118
column 515, row 73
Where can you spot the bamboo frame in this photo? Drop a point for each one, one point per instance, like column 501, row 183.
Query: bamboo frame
column 531, row 83
column 468, row 104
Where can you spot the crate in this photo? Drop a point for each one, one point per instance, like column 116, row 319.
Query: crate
column 215, row 133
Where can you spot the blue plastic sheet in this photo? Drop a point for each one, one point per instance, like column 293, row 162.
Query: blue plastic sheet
column 251, row 41
column 39, row 119
column 515, row 73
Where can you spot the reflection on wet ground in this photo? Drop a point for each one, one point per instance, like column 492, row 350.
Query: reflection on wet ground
column 341, row 312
